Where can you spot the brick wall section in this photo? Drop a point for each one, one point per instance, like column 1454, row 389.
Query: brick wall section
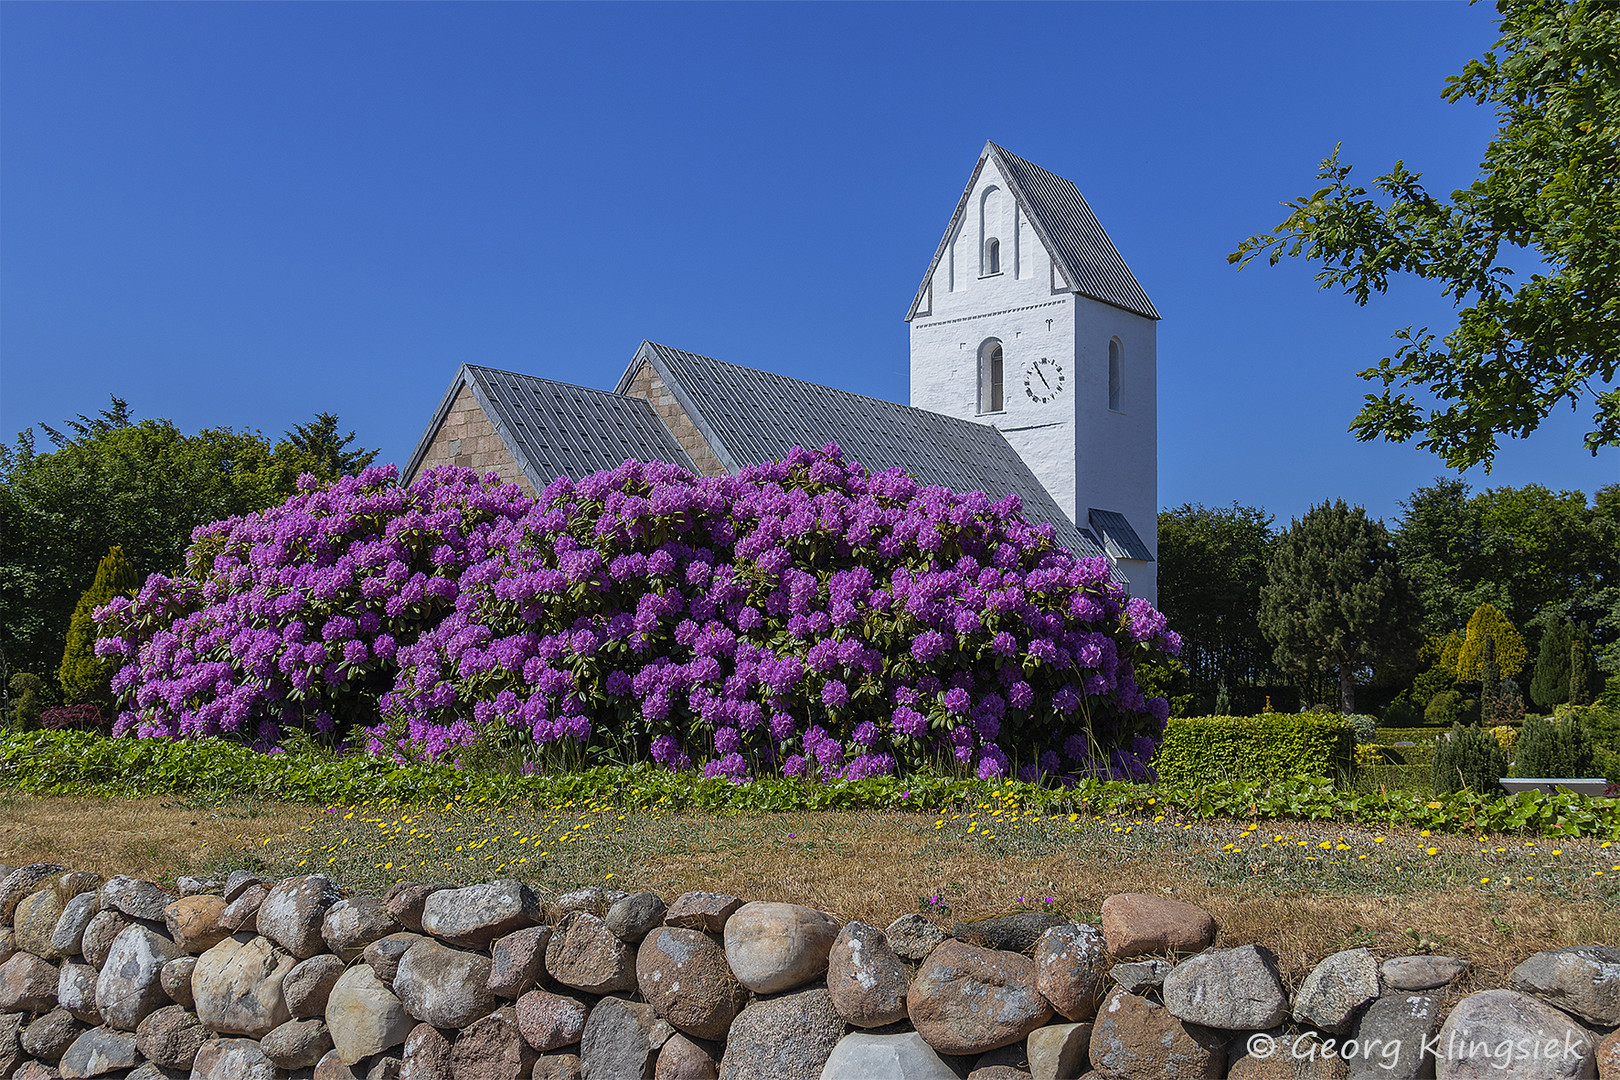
column 468, row 438
column 647, row 385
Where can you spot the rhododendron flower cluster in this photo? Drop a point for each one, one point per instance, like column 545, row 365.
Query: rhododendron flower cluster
column 804, row 617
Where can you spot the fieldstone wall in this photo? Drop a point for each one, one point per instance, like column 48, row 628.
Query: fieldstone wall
column 249, row 979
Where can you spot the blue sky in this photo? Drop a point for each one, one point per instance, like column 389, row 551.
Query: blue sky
column 244, row 214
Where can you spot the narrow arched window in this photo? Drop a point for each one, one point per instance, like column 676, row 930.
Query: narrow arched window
column 991, row 367
column 1115, row 376
column 992, row 256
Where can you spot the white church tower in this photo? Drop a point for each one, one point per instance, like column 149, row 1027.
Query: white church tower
column 1029, row 320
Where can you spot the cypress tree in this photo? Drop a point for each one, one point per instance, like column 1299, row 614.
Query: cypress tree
column 1549, row 687
column 1490, row 681
column 1580, row 670
column 85, row 677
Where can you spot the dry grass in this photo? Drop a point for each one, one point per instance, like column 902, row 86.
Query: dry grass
column 1492, row 901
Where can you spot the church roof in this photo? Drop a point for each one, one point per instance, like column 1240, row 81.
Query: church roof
column 749, row 417
column 1119, row 539
column 1071, row 232
column 557, row 429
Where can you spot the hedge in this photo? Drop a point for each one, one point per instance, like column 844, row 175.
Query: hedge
column 1200, row 749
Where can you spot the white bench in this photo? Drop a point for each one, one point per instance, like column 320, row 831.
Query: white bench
column 1548, row 785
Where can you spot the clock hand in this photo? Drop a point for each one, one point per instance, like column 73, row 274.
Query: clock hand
column 1042, row 374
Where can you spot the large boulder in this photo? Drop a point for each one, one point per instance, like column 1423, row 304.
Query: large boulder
column 350, row 925
column 28, row 984
column 20, row 882
column 170, row 1037
column 98, row 1052
column 492, row 1049
column 477, row 915
column 194, row 922
column 136, row 898
column 913, row 936
column 707, row 911
column 866, row 979
column 864, row 1056
column 966, row 1000
column 620, row 1040
column 34, row 921
column 233, row 1059
column 1497, row 1032
column 1135, row 924
column 297, row 1044
column 445, row 987
column 99, row 934
column 1234, row 989
column 517, row 962
column 550, row 1021
column 129, row 985
column 683, row 975
column 49, row 1036
column 1137, row 1039
column 363, row 1017
column 1336, row 989
column 583, row 954
column 773, row 947
column 789, row 1037
column 238, row 987
column 1584, row 981
column 293, row 912
column 1071, row 965
column 309, row 984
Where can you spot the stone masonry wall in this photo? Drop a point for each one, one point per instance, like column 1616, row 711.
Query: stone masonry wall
column 647, row 385
column 467, row 438
column 249, row 979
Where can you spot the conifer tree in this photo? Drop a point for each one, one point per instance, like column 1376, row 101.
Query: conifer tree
column 1549, row 687
column 1490, row 681
column 1489, row 623
column 1580, row 670
column 85, row 677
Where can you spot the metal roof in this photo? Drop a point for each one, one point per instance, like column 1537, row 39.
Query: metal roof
column 1119, row 539
column 557, row 429
column 751, row 416
column 1072, row 234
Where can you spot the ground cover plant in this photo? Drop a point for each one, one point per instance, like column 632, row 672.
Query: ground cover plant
column 803, row 617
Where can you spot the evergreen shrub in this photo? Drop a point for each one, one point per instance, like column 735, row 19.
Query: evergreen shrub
column 1554, row 746
column 1365, row 727
column 1468, row 759
column 84, row 676
column 1208, row 748
column 1444, row 708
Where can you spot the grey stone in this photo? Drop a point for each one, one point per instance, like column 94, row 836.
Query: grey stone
column 861, row 1055
column 238, row 987
column 592, row 899
column 1135, row 1039
column 517, row 961
column 1070, row 961
column 297, row 1044
column 309, row 984
column 492, row 1049
column 242, row 914
column 385, row 1067
column 292, row 913
column 1336, row 989
column 170, row 1037
column 147, row 1070
column 477, row 915
column 239, row 882
column 967, row 1000
column 789, row 1037
column 773, row 947
column 426, row 1055
column 1008, row 1072
column 445, row 987
column 35, row 920
column 8, row 943
column 1481, row 1025
column 97, row 1052
column 1406, row 1021
column 1583, row 980
column 706, row 911
column 617, row 1040
column 865, row 977
column 683, row 975
column 584, row 955
column 129, row 985
column 20, row 882
column 27, row 984
column 350, row 925
column 551, row 1021
column 76, row 991
column 363, row 1017
column 186, row 885
column 913, row 936
column 1233, row 989
column 1137, row 976
column 405, row 900
column 633, row 917
column 38, row 1070
column 1296, row 1054
column 384, row 954
column 11, row 1052
column 1017, row 932
column 681, row 1058
column 49, row 1036
column 99, row 935
column 135, row 898
column 1421, row 972
column 232, row 1059
column 176, row 980
column 68, row 934
column 1058, row 1051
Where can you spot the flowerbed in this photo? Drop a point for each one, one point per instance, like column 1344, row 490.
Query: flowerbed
column 803, row 618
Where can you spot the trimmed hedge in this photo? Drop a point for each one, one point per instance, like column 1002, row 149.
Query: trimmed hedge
column 1199, row 749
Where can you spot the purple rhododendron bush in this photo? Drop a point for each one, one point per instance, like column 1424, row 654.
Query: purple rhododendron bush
column 804, row 617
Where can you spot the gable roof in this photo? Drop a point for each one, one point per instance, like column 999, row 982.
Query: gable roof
column 1072, row 234
column 749, row 417
column 557, row 429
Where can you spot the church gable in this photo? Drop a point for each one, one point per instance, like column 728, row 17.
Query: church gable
column 643, row 381
column 465, row 436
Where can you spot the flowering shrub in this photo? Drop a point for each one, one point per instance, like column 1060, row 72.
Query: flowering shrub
column 803, row 616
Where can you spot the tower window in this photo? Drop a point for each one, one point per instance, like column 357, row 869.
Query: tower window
column 1115, row 376
column 992, row 256
column 991, row 366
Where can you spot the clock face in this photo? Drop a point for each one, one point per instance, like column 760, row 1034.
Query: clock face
column 1043, row 380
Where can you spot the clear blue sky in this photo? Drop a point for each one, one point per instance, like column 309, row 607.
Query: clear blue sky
column 245, row 214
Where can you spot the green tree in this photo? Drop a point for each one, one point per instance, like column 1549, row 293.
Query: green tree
column 1211, row 566
column 1488, row 629
column 1545, row 198
column 1549, row 687
column 1336, row 599
column 85, row 676
column 329, row 454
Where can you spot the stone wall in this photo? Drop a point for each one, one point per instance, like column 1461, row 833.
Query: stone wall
column 647, row 385
column 467, row 438
column 249, row 979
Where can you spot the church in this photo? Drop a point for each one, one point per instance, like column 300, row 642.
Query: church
column 1032, row 371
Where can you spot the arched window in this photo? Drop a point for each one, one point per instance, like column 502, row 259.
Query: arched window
column 1115, row 376
column 992, row 256
column 991, row 365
